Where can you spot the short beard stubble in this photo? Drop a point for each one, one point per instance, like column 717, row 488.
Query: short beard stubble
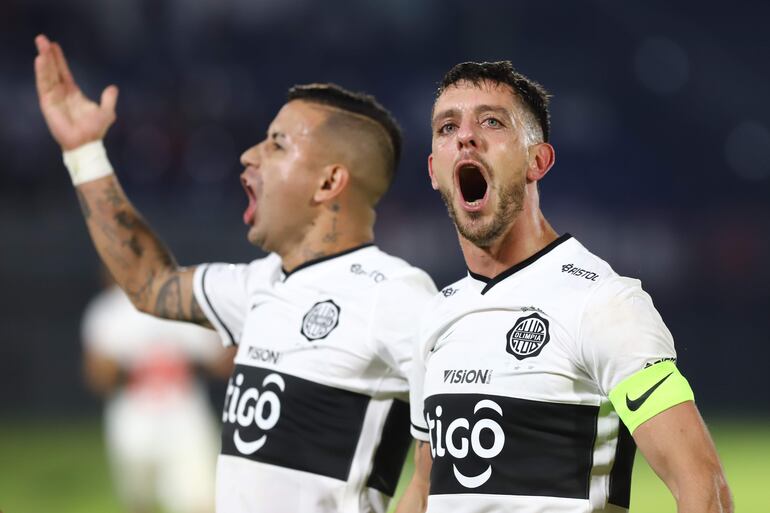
column 483, row 236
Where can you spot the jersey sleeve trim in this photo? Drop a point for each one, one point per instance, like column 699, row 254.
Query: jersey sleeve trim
column 199, row 287
column 648, row 392
column 419, row 433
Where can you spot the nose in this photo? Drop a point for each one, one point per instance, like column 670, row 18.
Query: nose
column 467, row 137
column 250, row 157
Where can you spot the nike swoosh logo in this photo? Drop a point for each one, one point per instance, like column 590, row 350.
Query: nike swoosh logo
column 635, row 404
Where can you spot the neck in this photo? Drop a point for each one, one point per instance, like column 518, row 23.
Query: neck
column 529, row 233
column 337, row 228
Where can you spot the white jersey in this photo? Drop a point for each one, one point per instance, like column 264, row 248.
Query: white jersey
column 315, row 417
column 161, row 434
column 511, row 384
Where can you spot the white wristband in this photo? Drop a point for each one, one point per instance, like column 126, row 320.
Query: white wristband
column 88, row 162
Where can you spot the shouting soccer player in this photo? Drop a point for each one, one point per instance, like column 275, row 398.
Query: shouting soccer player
column 539, row 372
column 314, row 417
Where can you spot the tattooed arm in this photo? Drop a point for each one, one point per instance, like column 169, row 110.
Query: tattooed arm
column 138, row 260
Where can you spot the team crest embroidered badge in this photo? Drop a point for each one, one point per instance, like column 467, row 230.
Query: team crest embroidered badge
column 320, row 320
column 528, row 336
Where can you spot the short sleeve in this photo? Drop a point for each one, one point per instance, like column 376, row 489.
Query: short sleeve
column 419, row 428
column 398, row 307
column 222, row 293
column 622, row 333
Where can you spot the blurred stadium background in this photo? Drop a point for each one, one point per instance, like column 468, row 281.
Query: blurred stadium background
column 661, row 123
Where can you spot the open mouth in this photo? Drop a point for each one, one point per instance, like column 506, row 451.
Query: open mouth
column 472, row 184
column 251, row 209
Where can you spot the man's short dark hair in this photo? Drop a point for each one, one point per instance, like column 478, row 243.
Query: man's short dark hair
column 532, row 95
column 358, row 103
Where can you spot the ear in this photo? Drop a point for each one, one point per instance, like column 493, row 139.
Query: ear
column 541, row 158
column 433, row 182
column 334, row 179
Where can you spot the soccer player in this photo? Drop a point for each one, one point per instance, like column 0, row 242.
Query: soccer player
column 539, row 372
column 315, row 415
column 160, row 432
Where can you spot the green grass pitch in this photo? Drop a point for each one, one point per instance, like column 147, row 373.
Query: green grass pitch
column 60, row 466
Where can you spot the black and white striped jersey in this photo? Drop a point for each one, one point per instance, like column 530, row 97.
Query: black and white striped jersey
column 315, row 417
column 511, row 382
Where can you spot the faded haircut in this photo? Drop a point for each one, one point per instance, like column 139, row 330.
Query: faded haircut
column 361, row 104
column 532, row 95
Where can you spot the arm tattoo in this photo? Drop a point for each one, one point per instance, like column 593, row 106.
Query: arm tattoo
column 83, row 204
column 196, row 314
column 125, row 219
column 113, row 196
column 141, row 294
column 135, row 245
column 169, row 302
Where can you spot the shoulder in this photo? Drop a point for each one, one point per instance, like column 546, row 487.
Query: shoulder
column 386, row 271
column 246, row 275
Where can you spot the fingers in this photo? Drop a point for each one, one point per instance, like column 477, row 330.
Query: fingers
column 109, row 99
column 62, row 67
column 46, row 77
column 42, row 43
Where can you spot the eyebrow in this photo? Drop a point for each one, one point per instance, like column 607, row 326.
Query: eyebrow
column 450, row 113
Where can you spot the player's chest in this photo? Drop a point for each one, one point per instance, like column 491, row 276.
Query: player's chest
column 302, row 325
column 527, row 351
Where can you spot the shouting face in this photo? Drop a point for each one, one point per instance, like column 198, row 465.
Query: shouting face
column 480, row 158
column 281, row 176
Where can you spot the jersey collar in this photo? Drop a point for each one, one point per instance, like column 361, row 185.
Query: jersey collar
column 314, row 261
column 491, row 282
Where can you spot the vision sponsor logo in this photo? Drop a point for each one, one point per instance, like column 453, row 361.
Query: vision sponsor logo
column 471, row 376
column 253, row 409
column 578, row 272
column 320, row 320
column 261, row 354
column 375, row 275
column 461, row 438
column 528, row 336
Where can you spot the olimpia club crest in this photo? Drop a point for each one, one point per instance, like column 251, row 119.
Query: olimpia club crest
column 528, row 336
column 320, row 320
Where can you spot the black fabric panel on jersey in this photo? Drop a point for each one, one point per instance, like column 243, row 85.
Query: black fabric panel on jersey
column 620, row 477
column 547, row 449
column 391, row 453
column 208, row 302
column 314, row 428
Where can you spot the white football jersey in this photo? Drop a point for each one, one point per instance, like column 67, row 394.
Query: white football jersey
column 315, row 417
column 511, row 381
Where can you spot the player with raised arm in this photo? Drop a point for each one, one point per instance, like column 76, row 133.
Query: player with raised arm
column 315, row 417
column 540, row 371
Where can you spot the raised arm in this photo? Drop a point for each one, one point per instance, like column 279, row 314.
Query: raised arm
column 679, row 449
column 138, row 260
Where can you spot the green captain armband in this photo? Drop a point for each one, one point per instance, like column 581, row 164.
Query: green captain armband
column 643, row 395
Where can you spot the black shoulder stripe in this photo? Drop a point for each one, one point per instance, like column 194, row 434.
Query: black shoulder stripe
column 211, row 307
column 418, row 428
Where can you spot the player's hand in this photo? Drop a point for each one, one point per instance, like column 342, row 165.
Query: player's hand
column 72, row 118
